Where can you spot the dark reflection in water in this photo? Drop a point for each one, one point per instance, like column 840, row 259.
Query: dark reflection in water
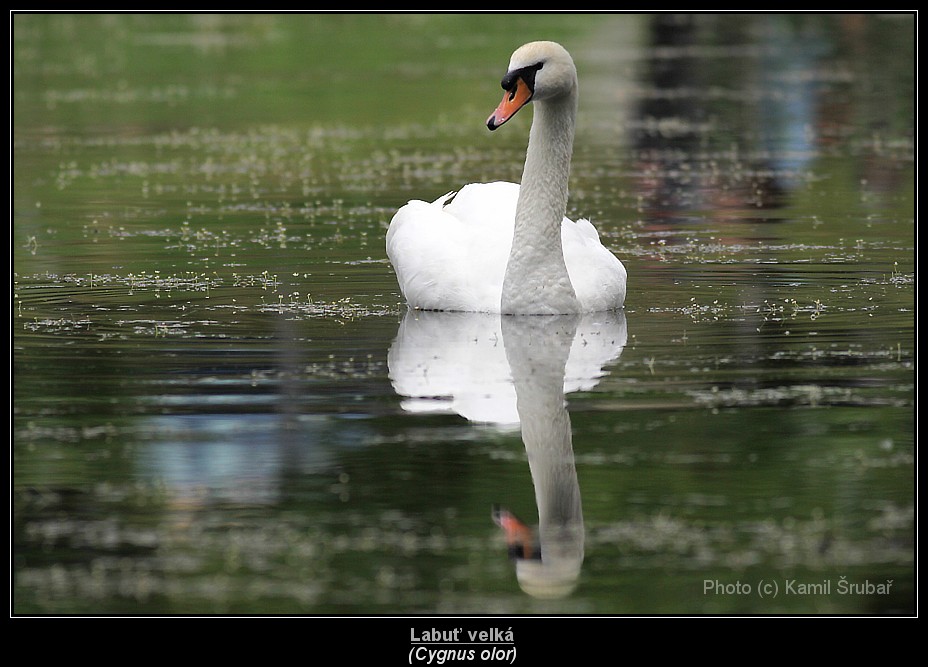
column 515, row 371
column 735, row 112
column 690, row 150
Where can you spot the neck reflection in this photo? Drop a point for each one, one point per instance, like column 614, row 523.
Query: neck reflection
column 515, row 372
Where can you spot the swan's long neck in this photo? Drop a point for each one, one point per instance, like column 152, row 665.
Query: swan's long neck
column 536, row 279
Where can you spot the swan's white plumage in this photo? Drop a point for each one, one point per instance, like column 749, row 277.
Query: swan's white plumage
column 452, row 254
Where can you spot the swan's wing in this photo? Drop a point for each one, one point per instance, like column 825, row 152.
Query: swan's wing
column 598, row 277
column 487, row 206
column 451, row 254
column 586, row 229
column 422, row 244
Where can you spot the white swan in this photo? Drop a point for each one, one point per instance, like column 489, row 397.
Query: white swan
column 502, row 248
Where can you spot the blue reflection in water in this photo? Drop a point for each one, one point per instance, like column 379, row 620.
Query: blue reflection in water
column 787, row 114
column 243, row 457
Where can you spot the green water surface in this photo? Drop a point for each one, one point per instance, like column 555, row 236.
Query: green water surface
column 205, row 414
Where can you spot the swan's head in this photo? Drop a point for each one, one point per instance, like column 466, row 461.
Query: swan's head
column 537, row 71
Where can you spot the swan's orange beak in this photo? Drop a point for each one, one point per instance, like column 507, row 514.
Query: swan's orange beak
column 514, row 99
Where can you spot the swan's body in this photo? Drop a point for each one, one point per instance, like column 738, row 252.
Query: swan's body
column 505, row 248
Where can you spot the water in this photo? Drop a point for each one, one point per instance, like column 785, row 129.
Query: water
column 220, row 404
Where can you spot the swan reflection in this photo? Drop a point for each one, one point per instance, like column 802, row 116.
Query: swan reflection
column 514, row 372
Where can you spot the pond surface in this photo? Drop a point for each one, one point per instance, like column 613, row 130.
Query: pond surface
column 222, row 406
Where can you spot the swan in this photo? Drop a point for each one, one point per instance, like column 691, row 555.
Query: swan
column 508, row 248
